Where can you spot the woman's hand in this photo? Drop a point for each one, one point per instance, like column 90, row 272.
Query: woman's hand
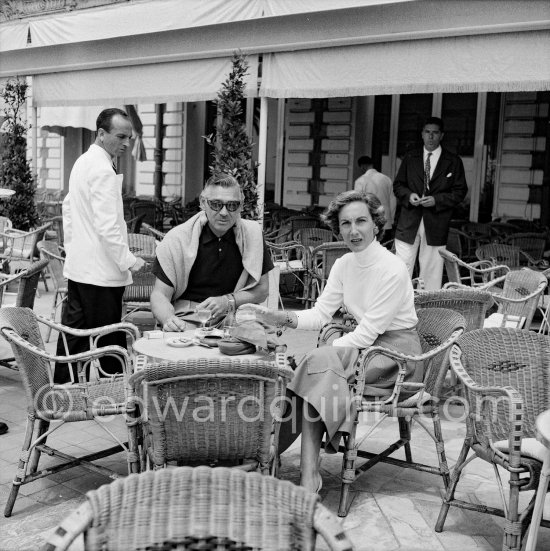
column 262, row 314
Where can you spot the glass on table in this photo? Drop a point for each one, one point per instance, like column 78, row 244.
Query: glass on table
column 204, row 315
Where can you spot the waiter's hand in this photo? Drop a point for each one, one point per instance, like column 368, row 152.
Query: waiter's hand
column 427, row 201
column 174, row 323
column 218, row 306
column 414, row 199
column 138, row 264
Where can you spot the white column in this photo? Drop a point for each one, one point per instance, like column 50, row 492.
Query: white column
column 262, row 155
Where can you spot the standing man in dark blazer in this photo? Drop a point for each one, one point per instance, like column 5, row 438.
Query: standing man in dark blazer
column 429, row 184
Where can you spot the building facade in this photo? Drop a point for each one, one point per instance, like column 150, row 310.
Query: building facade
column 326, row 85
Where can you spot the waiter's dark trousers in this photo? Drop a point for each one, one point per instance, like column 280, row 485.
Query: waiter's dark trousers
column 90, row 306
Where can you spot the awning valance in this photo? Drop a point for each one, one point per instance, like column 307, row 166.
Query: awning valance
column 491, row 62
column 83, row 116
column 127, row 19
column 191, row 80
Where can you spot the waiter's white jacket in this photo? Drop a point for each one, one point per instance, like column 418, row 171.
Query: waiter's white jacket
column 96, row 239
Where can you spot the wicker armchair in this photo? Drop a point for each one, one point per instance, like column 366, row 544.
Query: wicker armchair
column 506, row 375
column 21, row 247
column 531, row 243
column 292, row 259
column 48, row 402
column 200, row 508
column 207, row 411
column 472, row 274
column 518, row 298
column 500, row 253
column 438, row 329
column 472, row 304
column 49, row 250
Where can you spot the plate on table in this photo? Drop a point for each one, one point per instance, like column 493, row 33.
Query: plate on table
column 179, row 342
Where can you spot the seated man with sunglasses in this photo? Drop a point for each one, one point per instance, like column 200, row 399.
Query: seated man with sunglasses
column 215, row 260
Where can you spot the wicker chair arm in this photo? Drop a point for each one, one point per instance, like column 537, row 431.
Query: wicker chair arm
column 49, row 254
column 113, row 350
column 331, row 529
column 515, row 411
column 128, row 328
column 333, row 327
column 500, row 298
column 70, row 528
column 152, row 231
column 401, row 360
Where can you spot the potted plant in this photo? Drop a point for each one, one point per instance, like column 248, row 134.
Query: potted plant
column 231, row 146
column 15, row 170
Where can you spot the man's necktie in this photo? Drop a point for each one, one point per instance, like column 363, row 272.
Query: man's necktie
column 427, row 170
column 114, row 166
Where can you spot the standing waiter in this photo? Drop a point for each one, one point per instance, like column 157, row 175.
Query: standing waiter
column 98, row 260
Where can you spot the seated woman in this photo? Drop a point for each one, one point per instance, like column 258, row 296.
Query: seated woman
column 375, row 287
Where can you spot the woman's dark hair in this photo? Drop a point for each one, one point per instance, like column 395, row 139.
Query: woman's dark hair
column 376, row 210
column 106, row 116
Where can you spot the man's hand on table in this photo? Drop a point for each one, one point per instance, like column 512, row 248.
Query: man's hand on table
column 218, row 306
column 175, row 324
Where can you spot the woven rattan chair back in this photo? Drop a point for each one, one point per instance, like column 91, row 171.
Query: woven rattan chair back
column 143, row 281
column 533, row 244
column 499, row 253
column 470, row 303
column 150, row 209
column 142, row 245
column 29, row 284
column 221, row 509
column 34, row 370
column 323, row 258
column 506, row 357
column 313, row 237
column 209, row 410
column 300, row 222
column 133, row 225
column 435, row 326
column 518, row 284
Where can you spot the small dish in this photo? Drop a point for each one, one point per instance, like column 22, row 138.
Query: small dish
column 208, row 332
column 179, row 342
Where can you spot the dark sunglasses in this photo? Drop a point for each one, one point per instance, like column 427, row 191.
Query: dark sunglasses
column 231, row 206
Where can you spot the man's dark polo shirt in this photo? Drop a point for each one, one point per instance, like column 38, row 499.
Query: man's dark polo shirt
column 216, row 269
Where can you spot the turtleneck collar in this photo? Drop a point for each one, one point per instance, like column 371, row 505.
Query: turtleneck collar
column 368, row 256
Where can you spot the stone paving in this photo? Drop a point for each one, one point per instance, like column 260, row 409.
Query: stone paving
column 392, row 509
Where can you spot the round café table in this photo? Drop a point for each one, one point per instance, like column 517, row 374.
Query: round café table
column 157, row 350
column 543, row 436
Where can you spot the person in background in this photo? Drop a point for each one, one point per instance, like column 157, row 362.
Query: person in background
column 430, row 183
column 214, row 261
column 98, row 260
column 374, row 286
column 372, row 181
